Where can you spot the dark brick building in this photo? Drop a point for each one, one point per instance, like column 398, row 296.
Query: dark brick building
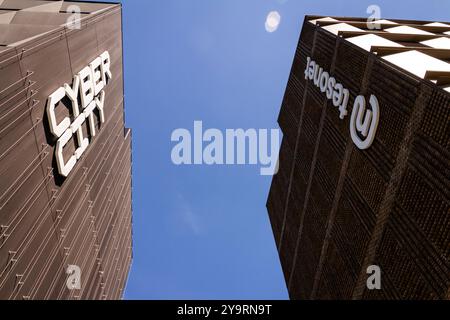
column 65, row 163
column 369, row 186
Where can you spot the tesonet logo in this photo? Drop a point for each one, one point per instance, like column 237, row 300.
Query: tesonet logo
column 363, row 121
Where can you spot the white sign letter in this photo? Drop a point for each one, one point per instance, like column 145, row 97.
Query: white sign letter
column 55, row 97
column 64, row 168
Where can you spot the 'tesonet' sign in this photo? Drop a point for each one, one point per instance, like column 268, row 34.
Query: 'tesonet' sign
column 363, row 122
column 87, row 87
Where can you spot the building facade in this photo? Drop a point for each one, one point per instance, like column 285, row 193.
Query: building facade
column 364, row 162
column 65, row 154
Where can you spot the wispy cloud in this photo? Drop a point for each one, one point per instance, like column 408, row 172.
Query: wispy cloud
column 187, row 216
column 272, row 21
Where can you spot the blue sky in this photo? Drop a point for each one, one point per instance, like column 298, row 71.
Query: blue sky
column 203, row 232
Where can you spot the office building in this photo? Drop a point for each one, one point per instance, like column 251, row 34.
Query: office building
column 364, row 163
column 65, row 155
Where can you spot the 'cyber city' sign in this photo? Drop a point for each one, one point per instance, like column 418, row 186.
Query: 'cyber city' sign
column 363, row 121
column 87, row 90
